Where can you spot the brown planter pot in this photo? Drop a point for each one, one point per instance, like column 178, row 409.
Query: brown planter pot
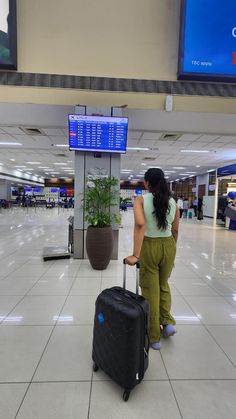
column 99, row 246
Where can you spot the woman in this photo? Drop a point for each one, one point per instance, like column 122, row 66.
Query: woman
column 156, row 217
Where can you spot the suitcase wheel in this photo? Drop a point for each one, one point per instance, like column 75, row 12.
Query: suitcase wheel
column 126, row 395
column 95, row 367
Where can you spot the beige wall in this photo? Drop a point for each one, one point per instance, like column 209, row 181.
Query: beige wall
column 113, row 38
column 116, row 38
column 133, row 100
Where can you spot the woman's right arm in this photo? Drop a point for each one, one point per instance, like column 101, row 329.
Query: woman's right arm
column 175, row 225
column 139, row 227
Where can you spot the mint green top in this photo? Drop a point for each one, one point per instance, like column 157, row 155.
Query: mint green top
column 151, row 227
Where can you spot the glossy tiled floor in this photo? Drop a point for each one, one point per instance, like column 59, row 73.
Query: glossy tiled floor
column 46, row 317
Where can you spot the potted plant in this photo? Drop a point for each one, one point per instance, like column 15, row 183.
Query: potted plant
column 100, row 196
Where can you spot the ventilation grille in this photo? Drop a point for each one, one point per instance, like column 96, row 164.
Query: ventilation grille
column 169, row 136
column 60, row 155
column 32, row 131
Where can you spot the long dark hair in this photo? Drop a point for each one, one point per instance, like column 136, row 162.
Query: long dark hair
column 161, row 194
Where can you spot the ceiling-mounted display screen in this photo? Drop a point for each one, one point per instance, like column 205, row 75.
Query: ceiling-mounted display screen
column 8, row 37
column 98, row 133
column 208, row 40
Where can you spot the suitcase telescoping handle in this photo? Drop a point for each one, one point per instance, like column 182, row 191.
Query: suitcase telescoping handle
column 137, row 275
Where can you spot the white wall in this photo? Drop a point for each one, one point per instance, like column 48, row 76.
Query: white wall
column 208, row 206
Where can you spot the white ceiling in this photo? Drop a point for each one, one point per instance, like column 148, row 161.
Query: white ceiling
column 48, row 148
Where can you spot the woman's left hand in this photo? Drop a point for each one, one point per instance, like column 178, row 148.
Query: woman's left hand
column 131, row 260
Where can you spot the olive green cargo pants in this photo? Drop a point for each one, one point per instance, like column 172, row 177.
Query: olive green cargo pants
column 156, row 263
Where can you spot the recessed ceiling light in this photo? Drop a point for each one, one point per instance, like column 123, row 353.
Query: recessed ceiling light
column 195, row 151
column 211, row 170
column 61, row 145
column 8, row 143
column 190, row 173
column 33, row 162
column 12, row 159
column 138, row 148
column 179, row 168
column 20, row 166
column 198, row 165
column 170, row 171
column 143, row 164
column 43, row 167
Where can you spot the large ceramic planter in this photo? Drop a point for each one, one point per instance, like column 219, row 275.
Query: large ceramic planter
column 99, row 246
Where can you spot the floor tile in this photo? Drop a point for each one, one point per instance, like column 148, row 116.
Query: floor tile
column 208, row 310
column 11, row 396
column 148, row 400
column 68, row 355
column 225, row 336
column 7, row 303
column 182, row 312
column 61, row 271
column 79, row 310
column 86, row 286
column 36, row 310
column 16, row 286
column 206, row 399
column 56, row 401
column 193, row 354
column 52, row 286
column 30, row 271
column 194, row 287
column 20, row 351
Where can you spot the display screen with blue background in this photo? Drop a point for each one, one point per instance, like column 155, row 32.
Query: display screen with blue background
column 98, row 133
column 227, row 170
column 208, row 40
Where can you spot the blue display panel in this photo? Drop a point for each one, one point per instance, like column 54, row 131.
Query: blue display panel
column 208, row 40
column 227, row 170
column 98, row 133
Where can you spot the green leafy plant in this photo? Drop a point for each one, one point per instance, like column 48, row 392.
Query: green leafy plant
column 100, row 196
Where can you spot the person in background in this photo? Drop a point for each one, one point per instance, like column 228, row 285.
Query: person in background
column 195, row 203
column 156, row 217
column 180, row 205
column 199, row 209
column 185, row 207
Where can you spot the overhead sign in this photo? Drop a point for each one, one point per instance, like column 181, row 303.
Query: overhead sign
column 208, row 40
column 227, row 170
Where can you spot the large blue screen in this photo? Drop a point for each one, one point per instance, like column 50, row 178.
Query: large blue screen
column 98, row 133
column 208, row 40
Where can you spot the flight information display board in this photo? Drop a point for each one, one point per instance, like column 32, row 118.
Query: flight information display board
column 98, row 133
column 208, row 40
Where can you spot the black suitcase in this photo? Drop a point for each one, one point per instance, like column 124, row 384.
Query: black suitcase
column 120, row 335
